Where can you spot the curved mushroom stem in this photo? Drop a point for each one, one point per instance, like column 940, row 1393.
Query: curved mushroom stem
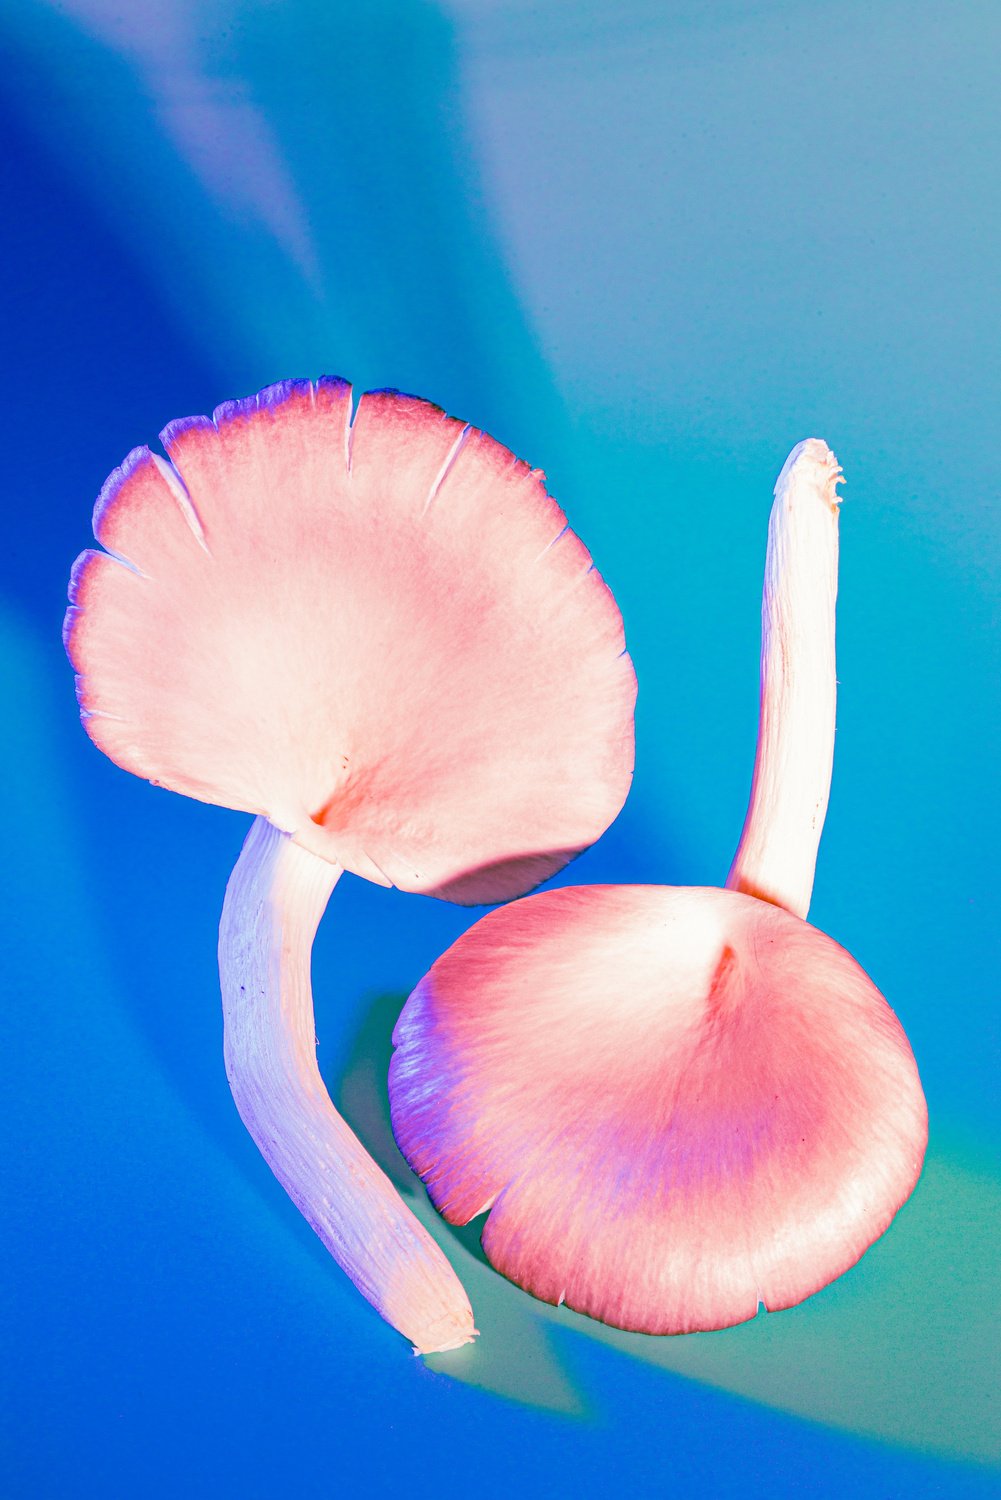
column 274, row 900
column 777, row 854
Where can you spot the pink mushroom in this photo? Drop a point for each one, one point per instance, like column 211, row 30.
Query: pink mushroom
column 679, row 1104
column 378, row 635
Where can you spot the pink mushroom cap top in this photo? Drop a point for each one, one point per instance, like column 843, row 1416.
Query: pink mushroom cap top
column 676, row 1103
column 376, row 631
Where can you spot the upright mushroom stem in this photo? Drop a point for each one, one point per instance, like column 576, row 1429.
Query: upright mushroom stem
column 777, row 854
column 274, row 901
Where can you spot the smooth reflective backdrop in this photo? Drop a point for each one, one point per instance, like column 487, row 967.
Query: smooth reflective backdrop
column 648, row 246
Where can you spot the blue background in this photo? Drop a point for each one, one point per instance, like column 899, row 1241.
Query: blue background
column 649, row 246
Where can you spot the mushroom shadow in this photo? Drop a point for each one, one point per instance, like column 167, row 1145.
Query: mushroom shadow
column 516, row 1357
column 362, row 1097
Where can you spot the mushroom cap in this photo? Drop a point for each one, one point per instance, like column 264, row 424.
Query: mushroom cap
column 378, row 632
column 677, row 1104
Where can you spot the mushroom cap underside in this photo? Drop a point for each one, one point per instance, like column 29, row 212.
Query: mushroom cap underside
column 677, row 1104
column 377, row 631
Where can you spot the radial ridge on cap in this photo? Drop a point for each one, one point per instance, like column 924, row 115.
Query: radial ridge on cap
column 427, row 693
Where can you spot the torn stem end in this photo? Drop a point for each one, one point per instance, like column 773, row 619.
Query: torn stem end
column 777, row 854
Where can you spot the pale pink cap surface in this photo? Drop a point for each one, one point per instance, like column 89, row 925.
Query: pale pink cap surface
column 381, row 635
column 676, row 1103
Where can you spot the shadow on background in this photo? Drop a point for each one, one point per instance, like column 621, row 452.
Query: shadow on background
column 513, row 1356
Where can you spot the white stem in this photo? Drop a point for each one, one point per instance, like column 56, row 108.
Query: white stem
column 274, row 901
column 777, row 854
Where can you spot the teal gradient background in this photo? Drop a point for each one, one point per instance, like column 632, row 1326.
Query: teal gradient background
column 649, row 246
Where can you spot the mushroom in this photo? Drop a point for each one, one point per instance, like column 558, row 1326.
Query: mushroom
column 377, row 634
column 679, row 1104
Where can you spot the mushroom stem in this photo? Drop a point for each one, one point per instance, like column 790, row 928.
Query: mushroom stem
column 274, row 901
column 777, row 853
